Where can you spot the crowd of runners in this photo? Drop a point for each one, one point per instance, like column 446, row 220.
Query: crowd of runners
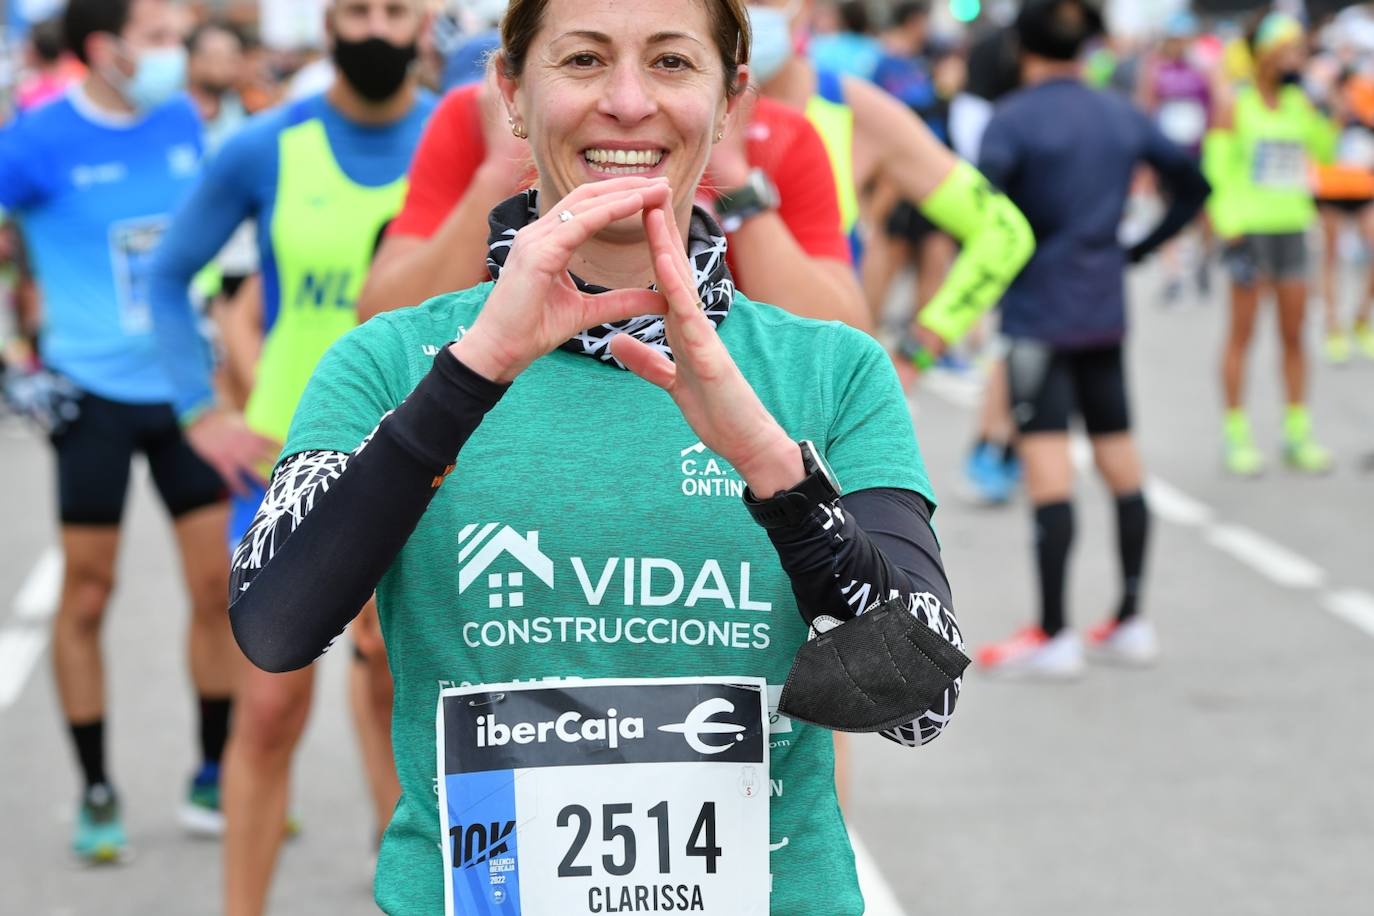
column 198, row 215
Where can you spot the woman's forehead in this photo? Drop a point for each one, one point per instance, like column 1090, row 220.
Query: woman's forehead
column 629, row 21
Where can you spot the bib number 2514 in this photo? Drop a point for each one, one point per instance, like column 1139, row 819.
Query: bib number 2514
column 617, row 826
column 596, row 797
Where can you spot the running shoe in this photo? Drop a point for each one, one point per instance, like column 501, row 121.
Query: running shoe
column 99, row 836
column 1336, row 349
column 1306, row 456
column 201, row 815
column 1032, row 654
column 986, row 477
column 1242, row 458
column 1132, row 642
column 1364, row 339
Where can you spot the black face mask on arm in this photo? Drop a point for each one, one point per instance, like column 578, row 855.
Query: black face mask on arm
column 375, row 67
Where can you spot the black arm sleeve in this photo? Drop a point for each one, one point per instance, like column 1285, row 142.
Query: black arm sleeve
column 862, row 550
column 331, row 524
column 1187, row 190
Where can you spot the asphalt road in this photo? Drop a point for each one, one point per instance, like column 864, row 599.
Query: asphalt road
column 1234, row 778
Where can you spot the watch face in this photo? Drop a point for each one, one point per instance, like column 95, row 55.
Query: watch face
column 811, row 457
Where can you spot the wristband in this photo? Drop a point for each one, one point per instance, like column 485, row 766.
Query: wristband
column 915, row 353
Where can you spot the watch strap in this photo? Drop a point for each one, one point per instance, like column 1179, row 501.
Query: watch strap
column 788, row 508
column 757, row 195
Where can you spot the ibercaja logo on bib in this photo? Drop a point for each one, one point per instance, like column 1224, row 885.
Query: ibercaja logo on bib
column 647, row 724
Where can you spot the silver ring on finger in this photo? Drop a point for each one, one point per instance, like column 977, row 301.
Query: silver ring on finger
column 566, row 216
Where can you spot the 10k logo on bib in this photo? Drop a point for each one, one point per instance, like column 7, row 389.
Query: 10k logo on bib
column 605, row 796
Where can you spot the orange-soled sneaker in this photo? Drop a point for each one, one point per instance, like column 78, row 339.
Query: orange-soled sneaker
column 1133, row 642
column 1033, row 654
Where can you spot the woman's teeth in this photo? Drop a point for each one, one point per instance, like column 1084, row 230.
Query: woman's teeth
column 623, row 161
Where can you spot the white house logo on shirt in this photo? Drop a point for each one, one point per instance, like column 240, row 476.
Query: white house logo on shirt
column 481, row 548
column 703, row 474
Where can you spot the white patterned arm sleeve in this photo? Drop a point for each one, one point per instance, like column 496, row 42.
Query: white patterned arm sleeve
column 296, row 486
column 333, row 523
column 932, row 612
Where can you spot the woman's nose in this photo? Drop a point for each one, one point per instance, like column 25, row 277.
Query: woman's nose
column 628, row 98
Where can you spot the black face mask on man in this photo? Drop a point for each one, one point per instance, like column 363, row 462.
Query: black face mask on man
column 374, row 66
column 1290, row 77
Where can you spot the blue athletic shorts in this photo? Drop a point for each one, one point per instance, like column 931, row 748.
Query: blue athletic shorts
column 242, row 509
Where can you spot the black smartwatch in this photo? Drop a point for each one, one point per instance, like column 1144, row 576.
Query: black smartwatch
column 788, row 508
column 755, row 196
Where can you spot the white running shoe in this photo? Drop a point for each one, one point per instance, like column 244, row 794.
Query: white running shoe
column 1032, row 654
column 1133, row 643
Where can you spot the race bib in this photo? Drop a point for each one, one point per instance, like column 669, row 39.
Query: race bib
column 1183, row 121
column 132, row 245
column 1280, row 165
column 605, row 796
column 1356, row 148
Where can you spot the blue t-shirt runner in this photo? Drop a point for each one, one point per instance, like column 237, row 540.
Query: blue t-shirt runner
column 94, row 192
column 320, row 188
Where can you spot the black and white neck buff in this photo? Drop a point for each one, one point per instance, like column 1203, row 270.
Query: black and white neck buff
column 705, row 250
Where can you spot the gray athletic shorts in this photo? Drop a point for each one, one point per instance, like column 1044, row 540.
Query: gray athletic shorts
column 1279, row 257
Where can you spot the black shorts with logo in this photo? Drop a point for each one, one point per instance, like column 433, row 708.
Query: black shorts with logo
column 95, row 451
column 1049, row 386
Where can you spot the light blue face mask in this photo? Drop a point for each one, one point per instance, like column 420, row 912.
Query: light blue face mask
column 159, row 75
column 772, row 44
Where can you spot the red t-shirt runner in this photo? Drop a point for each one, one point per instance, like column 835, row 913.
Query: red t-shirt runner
column 778, row 140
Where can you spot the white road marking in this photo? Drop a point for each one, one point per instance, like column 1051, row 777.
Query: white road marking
column 1352, row 606
column 1173, row 505
column 37, row 597
column 23, row 641
column 1271, row 560
column 20, row 650
column 879, row 898
column 1080, row 451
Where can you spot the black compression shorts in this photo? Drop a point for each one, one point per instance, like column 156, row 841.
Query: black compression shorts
column 1348, row 205
column 94, row 454
column 1048, row 387
column 907, row 223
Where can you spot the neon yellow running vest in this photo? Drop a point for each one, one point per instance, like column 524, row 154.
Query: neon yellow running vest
column 834, row 121
column 324, row 228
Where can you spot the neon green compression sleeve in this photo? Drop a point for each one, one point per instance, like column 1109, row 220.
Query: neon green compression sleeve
column 997, row 242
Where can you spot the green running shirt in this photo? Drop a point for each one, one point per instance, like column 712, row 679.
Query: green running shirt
column 1260, row 170
column 623, row 550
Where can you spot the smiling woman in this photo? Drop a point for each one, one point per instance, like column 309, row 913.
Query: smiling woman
column 517, row 502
